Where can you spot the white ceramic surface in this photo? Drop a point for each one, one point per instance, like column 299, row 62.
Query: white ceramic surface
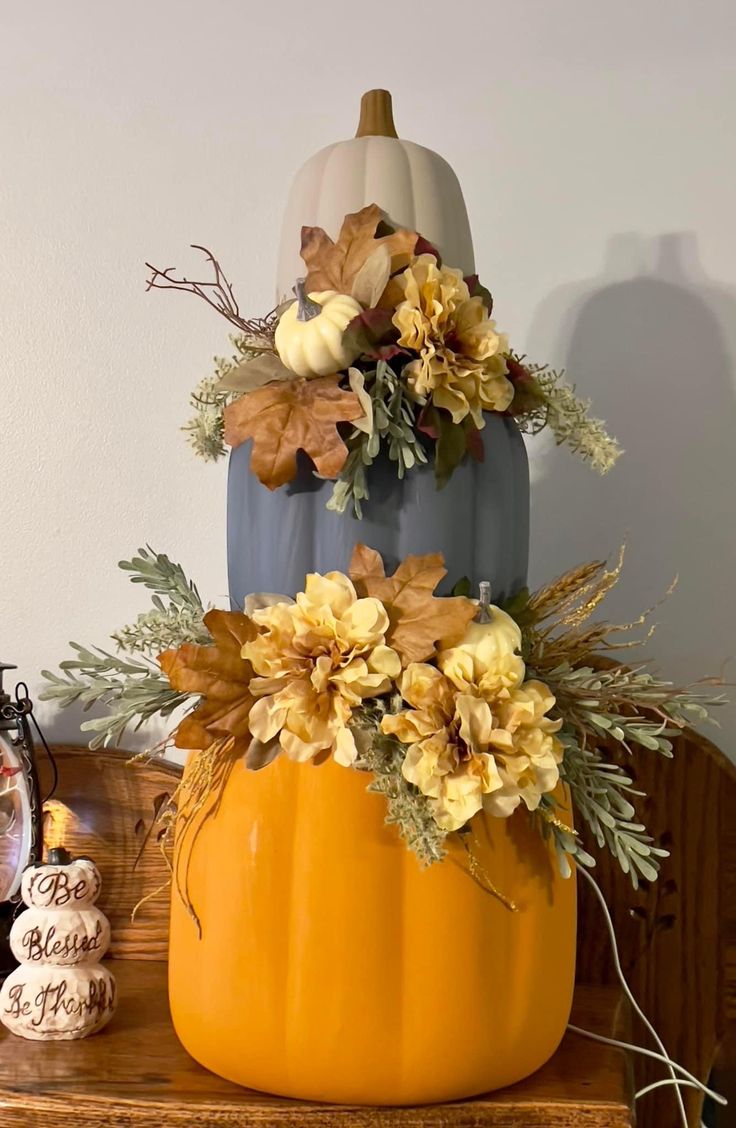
column 414, row 186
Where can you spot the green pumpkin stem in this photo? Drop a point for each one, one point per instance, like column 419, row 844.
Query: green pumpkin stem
column 306, row 309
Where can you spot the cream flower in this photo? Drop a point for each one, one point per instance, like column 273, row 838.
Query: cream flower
column 477, row 737
column 314, row 661
column 527, row 752
column 449, row 757
column 461, row 365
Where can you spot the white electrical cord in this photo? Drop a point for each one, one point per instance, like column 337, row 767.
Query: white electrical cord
column 686, row 1079
column 627, row 990
column 661, row 1084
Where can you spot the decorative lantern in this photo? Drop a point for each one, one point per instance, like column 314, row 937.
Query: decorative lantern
column 20, row 806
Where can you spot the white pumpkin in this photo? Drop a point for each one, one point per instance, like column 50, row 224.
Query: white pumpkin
column 489, row 646
column 61, row 883
column 487, row 642
column 57, row 1003
column 414, row 186
column 59, row 936
column 309, row 335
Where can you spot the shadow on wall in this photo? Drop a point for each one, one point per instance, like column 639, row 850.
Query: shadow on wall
column 652, row 341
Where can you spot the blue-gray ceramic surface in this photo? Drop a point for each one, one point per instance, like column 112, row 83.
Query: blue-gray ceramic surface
column 479, row 521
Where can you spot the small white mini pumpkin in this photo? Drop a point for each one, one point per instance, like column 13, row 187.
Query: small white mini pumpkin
column 491, row 642
column 309, row 335
column 492, row 636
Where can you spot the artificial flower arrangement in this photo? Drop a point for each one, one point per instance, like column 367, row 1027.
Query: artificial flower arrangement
column 384, row 348
column 451, row 705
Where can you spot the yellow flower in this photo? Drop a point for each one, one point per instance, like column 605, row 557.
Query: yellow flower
column 461, row 365
column 527, row 751
column 449, row 757
column 477, row 737
column 314, row 661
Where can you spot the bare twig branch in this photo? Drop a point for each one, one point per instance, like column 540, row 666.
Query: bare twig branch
column 219, row 294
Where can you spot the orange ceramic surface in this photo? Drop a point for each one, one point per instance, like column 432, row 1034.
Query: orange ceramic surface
column 332, row 967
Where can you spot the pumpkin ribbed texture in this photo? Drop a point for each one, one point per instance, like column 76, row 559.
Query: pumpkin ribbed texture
column 414, row 186
column 479, row 521
column 331, row 967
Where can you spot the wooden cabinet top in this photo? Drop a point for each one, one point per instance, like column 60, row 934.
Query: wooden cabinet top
column 135, row 1074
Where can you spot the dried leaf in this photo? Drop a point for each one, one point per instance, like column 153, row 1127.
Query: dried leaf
column 428, row 422
column 261, row 755
column 450, row 449
column 287, row 417
column 452, row 441
column 373, row 334
column 478, row 290
column 474, row 439
column 372, row 278
column 252, row 374
column 220, row 676
column 335, row 265
column 418, row 618
column 462, row 587
column 424, row 247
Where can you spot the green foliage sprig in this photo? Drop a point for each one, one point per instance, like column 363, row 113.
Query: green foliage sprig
column 406, row 807
column 630, row 705
column 133, row 690
column 205, row 430
column 608, row 711
column 600, row 790
column 161, row 575
column 393, row 429
column 543, row 398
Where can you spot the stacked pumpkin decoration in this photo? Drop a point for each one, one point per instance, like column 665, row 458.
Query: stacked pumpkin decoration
column 331, row 966
column 60, row 991
column 480, row 520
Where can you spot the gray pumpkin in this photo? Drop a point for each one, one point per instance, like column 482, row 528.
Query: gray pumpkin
column 479, row 521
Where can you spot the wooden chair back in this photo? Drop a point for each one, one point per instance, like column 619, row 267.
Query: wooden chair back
column 677, row 936
column 106, row 805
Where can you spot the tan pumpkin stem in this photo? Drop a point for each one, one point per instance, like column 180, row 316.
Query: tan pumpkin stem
column 376, row 115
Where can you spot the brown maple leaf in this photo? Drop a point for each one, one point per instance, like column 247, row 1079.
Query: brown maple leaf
column 335, row 265
column 287, row 417
column 418, row 618
column 220, row 677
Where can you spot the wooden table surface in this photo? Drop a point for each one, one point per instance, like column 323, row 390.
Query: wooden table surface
column 135, row 1074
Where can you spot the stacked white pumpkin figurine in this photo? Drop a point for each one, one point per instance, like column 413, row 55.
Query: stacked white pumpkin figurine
column 60, row 990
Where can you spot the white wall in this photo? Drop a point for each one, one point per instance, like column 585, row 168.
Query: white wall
column 595, row 143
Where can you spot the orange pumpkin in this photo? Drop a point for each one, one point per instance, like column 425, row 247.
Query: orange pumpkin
column 331, row 967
